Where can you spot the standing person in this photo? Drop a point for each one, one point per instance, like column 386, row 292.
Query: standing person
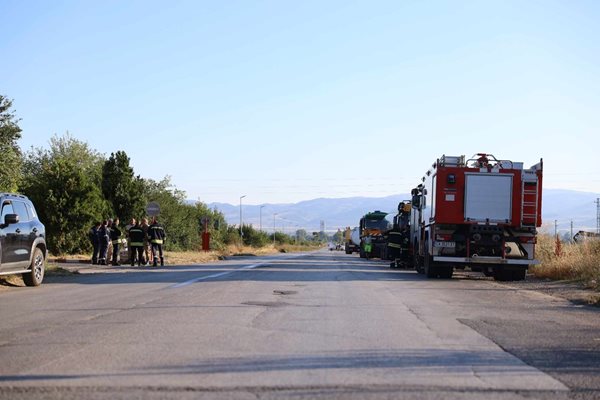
column 156, row 236
column 136, row 242
column 144, row 225
column 109, row 251
column 93, row 236
column 368, row 246
column 115, row 237
column 130, row 225
column 103, row 241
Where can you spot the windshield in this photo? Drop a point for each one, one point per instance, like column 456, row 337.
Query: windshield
column 381, row 224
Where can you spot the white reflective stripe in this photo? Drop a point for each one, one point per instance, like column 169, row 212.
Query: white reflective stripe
column 203, row 278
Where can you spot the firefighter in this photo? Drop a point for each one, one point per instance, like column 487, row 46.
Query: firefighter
column 368, row 247
column 147, row 250
column 394, row 245
column 136, row 242
column 103, row 241
column 115, row 238
column 109, row 250
column 93, row 236
column 156, row 236
column 397, row 235
column 130, row 225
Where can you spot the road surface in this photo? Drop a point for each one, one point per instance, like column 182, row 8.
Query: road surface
column 292, row 326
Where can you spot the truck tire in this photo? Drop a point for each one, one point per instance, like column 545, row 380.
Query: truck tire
column 417, row 261
column 431, row 271
column 36, row 275
column 502, row 275
column 519, row 274
column 510, row 274
column 446, row 271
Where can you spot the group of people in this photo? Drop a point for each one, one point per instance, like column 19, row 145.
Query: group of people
column 144, row 242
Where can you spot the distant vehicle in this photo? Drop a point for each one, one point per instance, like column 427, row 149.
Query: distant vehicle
column 583, row 236
column 22, row 239
column 373, row 229
column 481, row 212
column 351, row 240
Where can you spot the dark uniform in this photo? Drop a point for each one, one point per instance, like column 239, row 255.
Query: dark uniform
column 93, row 236
column 136, row 243
column 103, row 240
column 398, row 237
column 156, row 237
column 115, row 237
column 395, row 237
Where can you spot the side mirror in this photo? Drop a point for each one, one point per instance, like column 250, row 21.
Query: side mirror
column 11, row 219
column 416, row 201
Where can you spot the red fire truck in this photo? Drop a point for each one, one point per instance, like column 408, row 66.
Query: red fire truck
column 479, row 212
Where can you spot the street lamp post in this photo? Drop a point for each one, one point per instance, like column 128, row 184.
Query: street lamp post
column 241, row 232
column 260, row 218
column 274, row 215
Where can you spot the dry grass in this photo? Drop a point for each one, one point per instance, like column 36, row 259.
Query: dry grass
column 201, row 257
column 579, row 262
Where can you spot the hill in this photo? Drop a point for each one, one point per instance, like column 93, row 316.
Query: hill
column 558, row 204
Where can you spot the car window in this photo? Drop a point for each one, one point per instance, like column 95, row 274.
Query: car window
column 21, row 211
column 31, row 211
column 7, row 208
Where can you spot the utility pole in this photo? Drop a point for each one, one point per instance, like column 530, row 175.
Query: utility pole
column 260, row 218
column 598, row 215
column 241, row 232
column 571, row 238
column 274, row 215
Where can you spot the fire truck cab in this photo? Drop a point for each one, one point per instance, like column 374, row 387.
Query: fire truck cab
column 479, row 212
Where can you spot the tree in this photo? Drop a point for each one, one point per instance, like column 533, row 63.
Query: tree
column 121, row 188
column 338, row 237
column 301, row 235
column 182, row 220
column 63, row 183
column 10, row 153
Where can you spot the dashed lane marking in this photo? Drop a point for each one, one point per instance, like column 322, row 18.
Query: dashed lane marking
column 203, row 278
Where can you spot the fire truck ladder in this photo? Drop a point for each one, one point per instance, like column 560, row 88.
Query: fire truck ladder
column 529, row 200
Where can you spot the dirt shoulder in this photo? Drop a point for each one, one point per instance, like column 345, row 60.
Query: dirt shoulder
column 573, row 291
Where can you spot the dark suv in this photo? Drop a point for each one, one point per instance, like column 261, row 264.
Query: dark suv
column 22, row 239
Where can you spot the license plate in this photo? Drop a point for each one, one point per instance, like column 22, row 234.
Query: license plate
column 444, row 244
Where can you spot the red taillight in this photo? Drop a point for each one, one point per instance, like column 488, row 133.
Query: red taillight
column 443, row 237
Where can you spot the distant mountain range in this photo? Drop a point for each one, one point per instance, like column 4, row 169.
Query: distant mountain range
column 558, row 204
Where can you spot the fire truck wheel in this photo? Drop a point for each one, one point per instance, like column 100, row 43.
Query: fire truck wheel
column 519, row 274
column 503, row 275
column 446, row 272
column 419, row 265
column 431, row 271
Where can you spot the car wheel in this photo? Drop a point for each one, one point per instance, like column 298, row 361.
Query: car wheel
column 36, row 275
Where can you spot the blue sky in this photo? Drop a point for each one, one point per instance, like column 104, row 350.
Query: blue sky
column 284, row 101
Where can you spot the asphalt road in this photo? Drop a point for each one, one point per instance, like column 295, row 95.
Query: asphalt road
column 319, row 325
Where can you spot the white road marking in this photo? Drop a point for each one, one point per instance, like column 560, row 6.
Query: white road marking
column 203, row 278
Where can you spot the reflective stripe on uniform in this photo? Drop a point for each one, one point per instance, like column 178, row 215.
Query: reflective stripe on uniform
column 136, row 244
column 156, row 241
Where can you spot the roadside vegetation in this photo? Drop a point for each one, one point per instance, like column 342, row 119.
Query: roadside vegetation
column 573, row 261
column 73, row 186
